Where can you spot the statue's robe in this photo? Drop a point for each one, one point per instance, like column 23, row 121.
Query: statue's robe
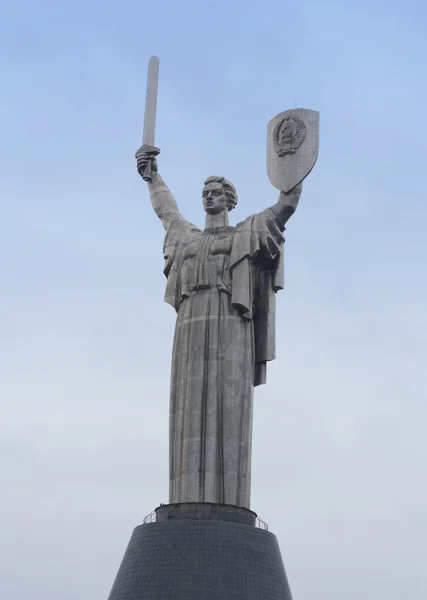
column 222, row 283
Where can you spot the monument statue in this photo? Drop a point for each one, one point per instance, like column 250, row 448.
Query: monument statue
column 222, row 282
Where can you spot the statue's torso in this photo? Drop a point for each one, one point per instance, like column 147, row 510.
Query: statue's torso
column 206, row 261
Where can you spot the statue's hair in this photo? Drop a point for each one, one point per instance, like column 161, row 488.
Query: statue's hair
column 229, row 190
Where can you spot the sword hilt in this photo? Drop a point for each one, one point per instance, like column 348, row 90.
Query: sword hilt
column 148, row 171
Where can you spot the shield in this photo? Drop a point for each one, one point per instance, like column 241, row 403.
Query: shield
column 292, row 147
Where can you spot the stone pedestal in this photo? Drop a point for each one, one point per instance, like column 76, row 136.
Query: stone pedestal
column 201, row 552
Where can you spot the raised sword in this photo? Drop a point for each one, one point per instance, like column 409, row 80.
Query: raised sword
column 150, row 115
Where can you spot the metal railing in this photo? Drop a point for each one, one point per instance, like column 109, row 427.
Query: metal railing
column 261, row 524
column 151, row 518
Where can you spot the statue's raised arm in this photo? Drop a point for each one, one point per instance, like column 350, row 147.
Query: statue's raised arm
column 287, row 204
column 164, row 204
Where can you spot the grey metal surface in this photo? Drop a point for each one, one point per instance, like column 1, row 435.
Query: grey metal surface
column 292, row 147
column 201, row 560
column 222, row 283
column 151, row 102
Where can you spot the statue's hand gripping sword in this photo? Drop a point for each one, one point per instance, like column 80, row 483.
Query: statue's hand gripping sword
column 150, row 116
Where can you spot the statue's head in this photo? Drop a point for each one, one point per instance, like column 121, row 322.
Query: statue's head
column 218, row 195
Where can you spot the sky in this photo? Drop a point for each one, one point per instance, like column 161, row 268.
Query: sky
column 340, row 441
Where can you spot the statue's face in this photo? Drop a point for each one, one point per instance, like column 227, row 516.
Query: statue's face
column 214, row 198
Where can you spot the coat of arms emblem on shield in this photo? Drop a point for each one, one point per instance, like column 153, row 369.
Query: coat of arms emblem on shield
column 292, row 147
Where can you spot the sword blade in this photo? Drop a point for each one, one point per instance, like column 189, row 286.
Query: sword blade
column 151, row 102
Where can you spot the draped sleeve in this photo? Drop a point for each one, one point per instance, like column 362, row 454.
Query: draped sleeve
column 257, row 270
column 179, row 233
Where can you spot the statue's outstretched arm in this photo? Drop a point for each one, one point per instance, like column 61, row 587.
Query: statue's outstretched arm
column 163, row 202
column 287, row 204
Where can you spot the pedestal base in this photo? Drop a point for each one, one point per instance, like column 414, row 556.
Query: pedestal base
column 191, row 559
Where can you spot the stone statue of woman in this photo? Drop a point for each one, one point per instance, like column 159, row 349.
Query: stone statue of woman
column 222, row 281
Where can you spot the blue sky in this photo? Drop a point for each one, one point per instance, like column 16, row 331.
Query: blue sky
column 339, row 431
